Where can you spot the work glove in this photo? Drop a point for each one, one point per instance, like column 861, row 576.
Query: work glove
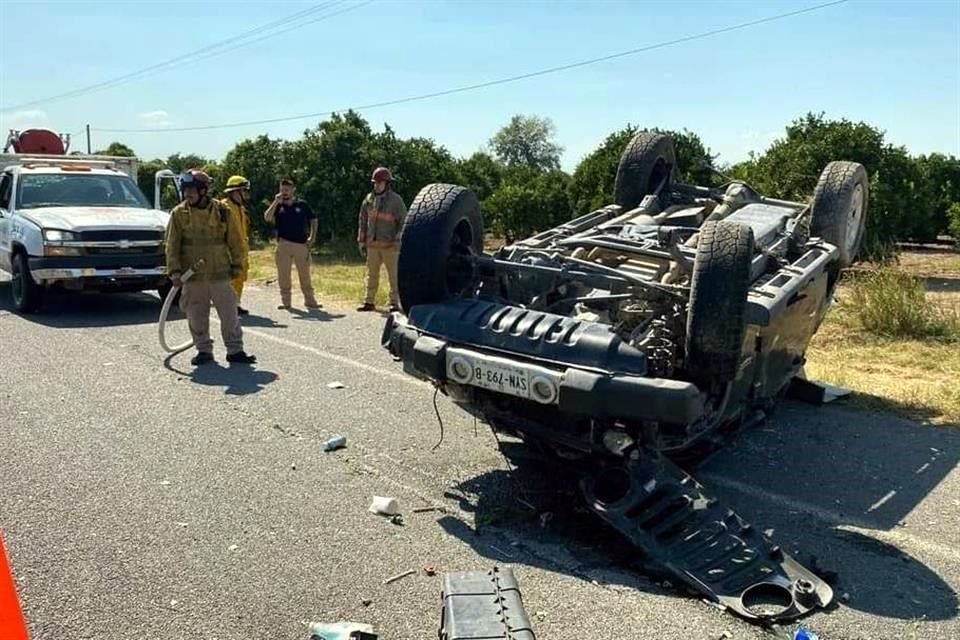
column 363, row 250
column 175, row 280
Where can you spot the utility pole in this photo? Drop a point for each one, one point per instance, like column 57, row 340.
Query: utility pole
column 89, row 150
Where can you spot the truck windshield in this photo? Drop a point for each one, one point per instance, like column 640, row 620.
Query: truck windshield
column 73, row 190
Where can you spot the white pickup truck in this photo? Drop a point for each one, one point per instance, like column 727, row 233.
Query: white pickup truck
column 77, row 222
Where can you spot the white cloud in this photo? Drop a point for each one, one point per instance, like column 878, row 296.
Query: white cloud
column 158, row 118
column 24, row 119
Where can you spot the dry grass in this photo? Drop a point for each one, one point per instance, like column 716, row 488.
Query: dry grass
column 338, row 276
column 894, row 344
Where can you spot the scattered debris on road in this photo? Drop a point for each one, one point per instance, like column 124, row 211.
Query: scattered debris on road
column 341, row 631
column 429, row 509
column 430, row 571
column 466, row 613
column 399, row 576
column 232, row 547
column 336, row 385
column 384, row 506
column 335, row 442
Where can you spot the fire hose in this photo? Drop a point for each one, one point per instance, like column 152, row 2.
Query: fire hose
column 165, row 311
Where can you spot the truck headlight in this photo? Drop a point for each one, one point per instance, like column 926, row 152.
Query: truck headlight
column 56, row 235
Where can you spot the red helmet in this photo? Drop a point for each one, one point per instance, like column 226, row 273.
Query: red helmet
column 194, row 178
column 381, row 174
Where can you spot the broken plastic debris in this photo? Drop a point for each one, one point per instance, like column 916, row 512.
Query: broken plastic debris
column 337, row 630
column 164, row 483
column 336, row 442
column 385, row 506
column 399, row 576
column 232, row 547
column 335, row 385
column 802, row 633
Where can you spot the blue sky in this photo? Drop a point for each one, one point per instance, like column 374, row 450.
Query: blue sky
column 893, row 64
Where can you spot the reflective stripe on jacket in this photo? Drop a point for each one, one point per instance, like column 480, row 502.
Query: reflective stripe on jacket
column 210, row 234
column 381, row 219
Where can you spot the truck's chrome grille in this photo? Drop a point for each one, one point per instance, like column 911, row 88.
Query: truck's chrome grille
column 118, row 235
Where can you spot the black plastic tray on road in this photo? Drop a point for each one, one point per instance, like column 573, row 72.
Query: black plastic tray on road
column 483, row 605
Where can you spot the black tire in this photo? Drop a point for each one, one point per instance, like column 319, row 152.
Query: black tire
column 647, row 160
column 840, row 208
column 442, row 226
column 25, row 291
column 718, row 300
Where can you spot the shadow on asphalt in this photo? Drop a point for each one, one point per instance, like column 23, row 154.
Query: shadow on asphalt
column 820, row 478
column 314, row 315
column 83, row 310
column 237, row 380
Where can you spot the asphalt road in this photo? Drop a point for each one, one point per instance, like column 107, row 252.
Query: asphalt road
column 142, row 499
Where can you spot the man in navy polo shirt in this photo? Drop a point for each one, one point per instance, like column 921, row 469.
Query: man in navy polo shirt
column 296, row 230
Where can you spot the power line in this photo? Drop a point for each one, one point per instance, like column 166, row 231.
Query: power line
column 208, row 50
column 293, row 28
column 491, row 83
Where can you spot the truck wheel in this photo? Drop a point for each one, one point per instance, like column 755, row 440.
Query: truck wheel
column 718, row 300
column 647, row 160
column 442, row 227
column 26, row 292
column 840, row 207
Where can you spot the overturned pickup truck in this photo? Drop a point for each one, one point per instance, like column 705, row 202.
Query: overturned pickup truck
column 631, row 334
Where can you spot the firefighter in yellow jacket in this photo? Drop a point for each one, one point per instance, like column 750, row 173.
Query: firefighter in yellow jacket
column 202, row 229
column 238, row 194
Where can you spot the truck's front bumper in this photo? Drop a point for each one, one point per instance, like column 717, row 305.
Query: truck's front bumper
column 99, row 267
column 579, row 391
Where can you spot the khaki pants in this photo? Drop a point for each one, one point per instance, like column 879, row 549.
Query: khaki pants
column 237, row 283
column 386, row 257
column 195, row 302
column 289, row 254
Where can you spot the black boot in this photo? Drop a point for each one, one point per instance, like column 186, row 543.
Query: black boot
column 241, row 358
column 204, row 357
column 241, row 311
column 366, row 307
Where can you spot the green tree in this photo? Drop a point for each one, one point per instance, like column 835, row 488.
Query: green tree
column 179, row 163
column 257, row 160
column 528, row 141
column 791, row 166
column 903, row 199
column 528, row 201
column 481, row 173
column 941, row 180
column 116, row 149
column 954, row 215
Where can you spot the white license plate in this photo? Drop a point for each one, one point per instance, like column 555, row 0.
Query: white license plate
column 505, row 379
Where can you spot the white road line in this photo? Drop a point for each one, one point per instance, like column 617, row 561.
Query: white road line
column 386, row 373
column 848, row 523
column 882, row 501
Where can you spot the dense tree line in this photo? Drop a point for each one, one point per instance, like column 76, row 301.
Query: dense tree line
column 522, row 188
